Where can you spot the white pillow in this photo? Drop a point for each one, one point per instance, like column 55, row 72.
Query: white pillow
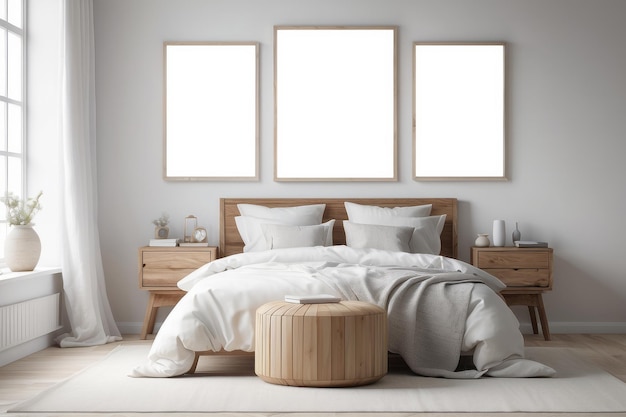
column 395, row 238
column 279, row 236
column 297, row 216
column 426, row 234
column 253, row 238
column 359, row 213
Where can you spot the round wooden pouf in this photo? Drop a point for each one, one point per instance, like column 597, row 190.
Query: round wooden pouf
column 321, row 345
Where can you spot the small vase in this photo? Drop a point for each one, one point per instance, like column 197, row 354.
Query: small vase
column 499, row 233
column 482, row 241
column 22, row 248
column 516, row 236
column 161, row 232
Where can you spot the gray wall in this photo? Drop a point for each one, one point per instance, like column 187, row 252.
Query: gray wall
column 566, row 123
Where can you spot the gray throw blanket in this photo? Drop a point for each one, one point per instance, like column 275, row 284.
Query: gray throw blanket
column 426, row 310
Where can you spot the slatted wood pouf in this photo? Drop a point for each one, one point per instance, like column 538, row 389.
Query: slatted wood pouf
column 321, row 345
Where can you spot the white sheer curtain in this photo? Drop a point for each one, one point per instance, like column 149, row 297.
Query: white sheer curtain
column 83, row 275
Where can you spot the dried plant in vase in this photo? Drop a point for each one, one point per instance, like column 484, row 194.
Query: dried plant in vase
column 21, row 212
column 161, row 229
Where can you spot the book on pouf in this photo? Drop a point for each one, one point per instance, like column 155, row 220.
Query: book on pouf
column 312, row 299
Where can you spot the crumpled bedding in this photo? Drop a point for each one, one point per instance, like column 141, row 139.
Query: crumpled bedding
column 438, row 308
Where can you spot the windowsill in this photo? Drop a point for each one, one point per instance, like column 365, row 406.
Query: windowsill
column 6, row 274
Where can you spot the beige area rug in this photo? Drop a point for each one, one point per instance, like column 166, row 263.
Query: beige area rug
column 228, row 385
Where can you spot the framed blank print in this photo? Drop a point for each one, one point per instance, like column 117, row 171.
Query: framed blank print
column 458, row 111
column 335, row 103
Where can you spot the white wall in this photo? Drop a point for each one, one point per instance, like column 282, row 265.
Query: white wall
column 566, row 122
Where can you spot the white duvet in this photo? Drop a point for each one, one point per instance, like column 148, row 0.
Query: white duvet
column 439, row 309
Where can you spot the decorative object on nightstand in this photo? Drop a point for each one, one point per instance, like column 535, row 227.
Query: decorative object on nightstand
column 482, row 241
column 161, row 228
column 199, row 235
column 516, row 235
column 527, row 273
column 499, row 233
column 191, row 222
column 198, row 238
column 160, row 268
column 163, row 242
column 22, row 246
column 530, row 244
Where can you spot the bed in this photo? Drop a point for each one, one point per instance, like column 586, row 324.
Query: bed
column 445, row 317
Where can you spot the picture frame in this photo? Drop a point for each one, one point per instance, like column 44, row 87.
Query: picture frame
column 459, row 109
column 211, row 111
column 335, row 103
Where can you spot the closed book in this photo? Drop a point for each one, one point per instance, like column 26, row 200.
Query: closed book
column 530, row 244
column 163, row 242
column 312, row 299
column 191, row 244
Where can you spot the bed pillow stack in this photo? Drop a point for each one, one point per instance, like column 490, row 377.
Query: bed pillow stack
column 263, row 228
column 386, row 228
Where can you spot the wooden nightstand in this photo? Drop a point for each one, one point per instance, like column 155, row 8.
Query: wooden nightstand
column 527, row 273
column 160, row 268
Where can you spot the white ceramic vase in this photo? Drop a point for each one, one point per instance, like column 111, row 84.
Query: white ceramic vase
column 482, row 240
column 22, row 248
column 499, row 233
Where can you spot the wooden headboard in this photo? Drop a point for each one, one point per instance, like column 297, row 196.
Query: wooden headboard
column 231, row 243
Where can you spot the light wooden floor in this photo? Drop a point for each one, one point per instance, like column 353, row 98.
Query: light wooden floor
column 27, row 377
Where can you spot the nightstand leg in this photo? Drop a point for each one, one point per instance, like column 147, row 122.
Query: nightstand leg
column 543, row 317
column 533, row 319
column 531, row 301
column 148, row 321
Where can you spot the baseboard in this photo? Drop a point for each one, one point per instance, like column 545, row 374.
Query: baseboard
column 555, row 328
column 134, row 327
column 580, row 328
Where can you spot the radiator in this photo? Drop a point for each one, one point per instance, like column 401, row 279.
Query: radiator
column 28, row 320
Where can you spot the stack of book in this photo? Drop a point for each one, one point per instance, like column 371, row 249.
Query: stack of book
column 201, row 244
column 530, row 244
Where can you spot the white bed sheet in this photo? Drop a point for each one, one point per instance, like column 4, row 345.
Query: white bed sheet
column 218, row 312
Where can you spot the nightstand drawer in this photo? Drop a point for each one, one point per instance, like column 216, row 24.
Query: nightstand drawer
column 512, row 259
column 522, row 277
column 175, row 260
column 163, row 277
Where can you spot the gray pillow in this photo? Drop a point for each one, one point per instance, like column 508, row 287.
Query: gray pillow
column 375, row 236
column 280, row 236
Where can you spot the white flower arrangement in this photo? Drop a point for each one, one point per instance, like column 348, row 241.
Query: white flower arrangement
column 21, row 212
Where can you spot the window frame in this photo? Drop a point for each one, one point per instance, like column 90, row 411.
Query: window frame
column 22, row 189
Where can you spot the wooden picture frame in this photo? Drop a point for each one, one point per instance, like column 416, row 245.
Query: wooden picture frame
column 459, row 111
column 335, row 103
column 211, row 116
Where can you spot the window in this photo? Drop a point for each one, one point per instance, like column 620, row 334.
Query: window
column 12, row 107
